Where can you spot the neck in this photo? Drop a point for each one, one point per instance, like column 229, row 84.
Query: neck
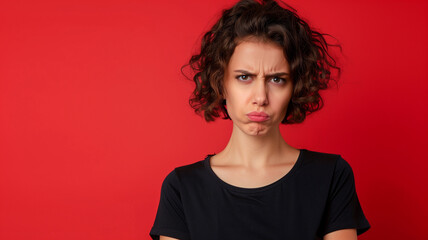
column 255, row 151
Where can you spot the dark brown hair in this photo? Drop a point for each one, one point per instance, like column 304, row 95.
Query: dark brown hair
column 305, row 49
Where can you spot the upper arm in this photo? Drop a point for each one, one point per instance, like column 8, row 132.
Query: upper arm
column 343, row 209
column 170, row 218
column 343, row 234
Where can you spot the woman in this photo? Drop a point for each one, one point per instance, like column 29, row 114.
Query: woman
column 260, row 65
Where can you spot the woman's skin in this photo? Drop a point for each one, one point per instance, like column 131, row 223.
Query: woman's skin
column 257, row 80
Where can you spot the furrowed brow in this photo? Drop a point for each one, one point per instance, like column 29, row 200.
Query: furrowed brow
column 245, row 72
column 278, row 74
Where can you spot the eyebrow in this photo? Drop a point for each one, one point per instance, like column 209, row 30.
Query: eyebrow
column 268, row 75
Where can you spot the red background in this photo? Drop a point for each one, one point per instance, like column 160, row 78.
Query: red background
column 94, row 112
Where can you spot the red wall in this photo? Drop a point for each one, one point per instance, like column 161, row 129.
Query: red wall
column 94, row 113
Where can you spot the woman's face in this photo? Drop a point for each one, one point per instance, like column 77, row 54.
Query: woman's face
column 257, row 87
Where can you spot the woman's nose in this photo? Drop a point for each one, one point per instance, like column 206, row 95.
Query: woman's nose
column 260, row 93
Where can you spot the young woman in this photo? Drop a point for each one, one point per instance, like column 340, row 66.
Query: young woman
column 260, row 65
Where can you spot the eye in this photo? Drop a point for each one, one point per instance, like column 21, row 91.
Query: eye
column 278, row 80
column 243, row 77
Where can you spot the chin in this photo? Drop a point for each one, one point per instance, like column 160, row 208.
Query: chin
column 257, row 129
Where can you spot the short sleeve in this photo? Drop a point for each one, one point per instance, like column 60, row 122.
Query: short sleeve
column 343, row 208
column 170, row 220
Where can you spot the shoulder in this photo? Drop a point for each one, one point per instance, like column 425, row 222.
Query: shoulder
column 320, row 156
column 332, row 167
column 193, row 170
column 186, row 173
column 324, row 164
column 320, row 159
column 189, row 181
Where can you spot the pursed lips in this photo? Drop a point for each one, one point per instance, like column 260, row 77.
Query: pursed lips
column 258, row 116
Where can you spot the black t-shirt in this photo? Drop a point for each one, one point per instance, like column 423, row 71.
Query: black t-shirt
column 315, row 197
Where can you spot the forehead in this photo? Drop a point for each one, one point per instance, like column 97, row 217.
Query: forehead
column 258, row 56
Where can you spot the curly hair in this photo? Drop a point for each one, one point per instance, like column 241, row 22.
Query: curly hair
column 305, row 49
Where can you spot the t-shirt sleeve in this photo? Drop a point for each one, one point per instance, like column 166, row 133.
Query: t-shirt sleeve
column 170, row 220
column 343, row 208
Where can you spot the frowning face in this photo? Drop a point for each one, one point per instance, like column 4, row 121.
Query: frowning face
column 257, row 87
